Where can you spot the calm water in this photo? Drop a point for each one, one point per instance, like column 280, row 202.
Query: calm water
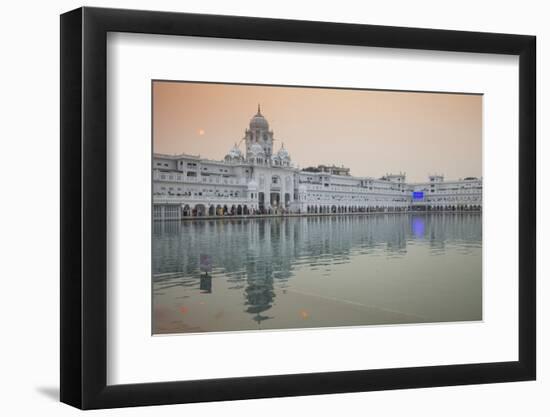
column 300, row 272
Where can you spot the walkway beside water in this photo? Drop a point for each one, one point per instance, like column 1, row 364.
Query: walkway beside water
column 369, row 213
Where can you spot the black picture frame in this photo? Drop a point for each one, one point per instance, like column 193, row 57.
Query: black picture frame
column 84, row 207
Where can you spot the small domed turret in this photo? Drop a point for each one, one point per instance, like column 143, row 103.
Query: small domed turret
column 283, row 153
column 234, row 154
column 252, row 185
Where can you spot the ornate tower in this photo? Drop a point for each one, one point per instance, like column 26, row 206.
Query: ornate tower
column 258, row 133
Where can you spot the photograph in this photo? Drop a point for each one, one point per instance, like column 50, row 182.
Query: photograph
column 285, row 207
column 347, row 206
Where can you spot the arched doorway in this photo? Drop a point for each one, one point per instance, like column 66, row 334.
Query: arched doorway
column 287, row 200
column 275, row 199
column 201, row 210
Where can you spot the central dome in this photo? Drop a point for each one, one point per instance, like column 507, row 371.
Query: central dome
column 258, row 121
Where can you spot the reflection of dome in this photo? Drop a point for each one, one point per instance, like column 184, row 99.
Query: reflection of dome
column 257, row 150
column 259, row 121
column 234, row 153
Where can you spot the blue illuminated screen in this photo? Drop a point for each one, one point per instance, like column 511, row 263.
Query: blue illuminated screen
column 418, row 195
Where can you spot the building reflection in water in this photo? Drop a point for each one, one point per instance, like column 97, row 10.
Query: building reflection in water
column 418, row 226
column 206, row 284
column 256, row 255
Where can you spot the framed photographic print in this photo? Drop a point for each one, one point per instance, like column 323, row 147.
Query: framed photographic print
column 258, row 207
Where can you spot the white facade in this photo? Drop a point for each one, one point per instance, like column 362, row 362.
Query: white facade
column 262, row 181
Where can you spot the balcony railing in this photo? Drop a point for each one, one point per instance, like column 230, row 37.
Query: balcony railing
column 182, row 178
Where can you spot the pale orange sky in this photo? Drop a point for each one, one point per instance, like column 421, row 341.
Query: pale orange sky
column 371, row 132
